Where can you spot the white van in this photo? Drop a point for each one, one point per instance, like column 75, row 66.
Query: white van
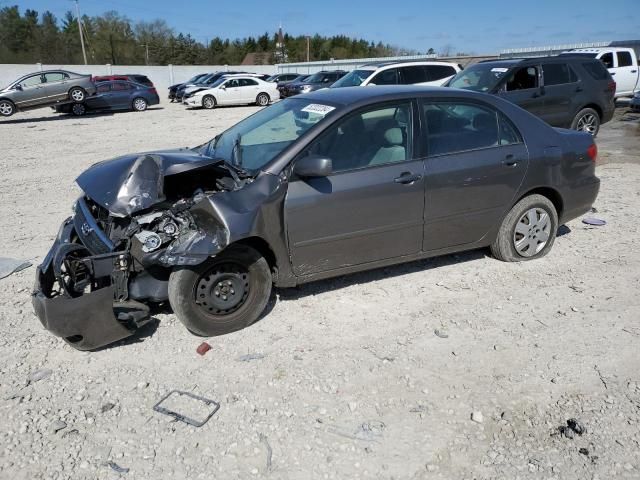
column 622, row 64
column 399, row 73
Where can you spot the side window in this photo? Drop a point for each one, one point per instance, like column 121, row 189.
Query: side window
column 438, row 72
column 104, row 88
column 508, row 134
column 31, row 81
column 368, row 138
column 596, row 70
column 247, row 82
column 386, row 77
column 53, row 77
column 120, row 86
column 458, row 127
column 624, row 59
column 607, row 59
column 556, row 74
column 523, row 79
column 414, row 74
column 232, row 83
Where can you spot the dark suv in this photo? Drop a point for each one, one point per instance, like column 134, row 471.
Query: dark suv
column 568, row 92
column 315, row 82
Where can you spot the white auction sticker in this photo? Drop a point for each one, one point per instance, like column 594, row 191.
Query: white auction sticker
column 318, row 108
column 501, row 70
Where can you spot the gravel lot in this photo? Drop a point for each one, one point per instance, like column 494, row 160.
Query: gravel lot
column 345, row 378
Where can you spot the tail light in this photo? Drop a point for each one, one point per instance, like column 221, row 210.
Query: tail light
column 153, row 90
column 592, row 151
column 612, row 87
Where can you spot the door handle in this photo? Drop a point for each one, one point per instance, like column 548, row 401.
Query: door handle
column 407, row 178
column 634, row 71
column 579, row 89
column 510, row 161
column 612, row 73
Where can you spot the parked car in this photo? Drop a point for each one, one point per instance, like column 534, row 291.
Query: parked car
column 262, row 76
column 43, row 89
column 317, row 186
column 635, row 102
column 135, row 78
column 622, row 64
column 114, row 95
column 565, row 91
column 316, row 81
column 399, row 73
column 202, row 84
column 173, row 88
column 282, row 77
column 235, row 90
column 282, row 86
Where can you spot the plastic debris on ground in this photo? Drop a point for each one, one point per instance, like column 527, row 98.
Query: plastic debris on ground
column 10, row 266
column 187, row 407
column 596, row 222
column 203, row 348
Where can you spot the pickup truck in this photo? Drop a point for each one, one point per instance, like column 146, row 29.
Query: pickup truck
column 622, row 64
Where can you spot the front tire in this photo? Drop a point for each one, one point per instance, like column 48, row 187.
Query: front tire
column 139, row 104
column 7, row 108
column 587, row 120
column 77, row 94
column 528, row 231
column 208, row 102
column 262, row 100
column 78, row 109
column 222, row 295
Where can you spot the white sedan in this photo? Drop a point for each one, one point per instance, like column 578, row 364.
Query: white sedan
column 235, row 90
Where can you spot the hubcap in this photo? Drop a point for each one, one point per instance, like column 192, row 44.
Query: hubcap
column 140, row 104
column 588, row 123
column 532, row 232
column 262, row 100
column 223, row 289
column 77, row 95
column 78, row 109
column 6, row 108
column 208, row 102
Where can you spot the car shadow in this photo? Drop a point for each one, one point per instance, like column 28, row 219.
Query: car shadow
column 145, row 331
column 56, row 117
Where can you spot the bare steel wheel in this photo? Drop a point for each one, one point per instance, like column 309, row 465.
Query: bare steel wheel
column 528, row 230
column 139, row 104
column 77, row 94
column 587, row 120
column 208, row 102
column 262, row 99
column 224, row 294
column 6, row 108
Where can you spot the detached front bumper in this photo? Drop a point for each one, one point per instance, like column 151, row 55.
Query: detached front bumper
column 92, row 318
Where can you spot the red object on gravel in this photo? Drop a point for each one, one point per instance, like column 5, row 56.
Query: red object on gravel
column 203, row 348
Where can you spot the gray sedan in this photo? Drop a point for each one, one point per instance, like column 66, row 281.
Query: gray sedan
column 43, row 89
column 316, row 186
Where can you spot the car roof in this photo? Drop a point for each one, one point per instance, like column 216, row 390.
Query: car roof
column 407, row 63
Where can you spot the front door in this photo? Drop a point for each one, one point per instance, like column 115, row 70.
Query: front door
column 31, row 92
column 476, row 161
column 371, row 207
column 522, row 87
column 232, row 93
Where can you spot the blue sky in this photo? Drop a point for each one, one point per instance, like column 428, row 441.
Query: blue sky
column 478, row 26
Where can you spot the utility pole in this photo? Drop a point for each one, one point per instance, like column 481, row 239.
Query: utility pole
column 308, row 47
column 84, row 53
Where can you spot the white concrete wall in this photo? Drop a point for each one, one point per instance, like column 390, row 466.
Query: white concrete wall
column 161, row 76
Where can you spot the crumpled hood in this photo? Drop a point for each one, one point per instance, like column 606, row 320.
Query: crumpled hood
column 127, row 184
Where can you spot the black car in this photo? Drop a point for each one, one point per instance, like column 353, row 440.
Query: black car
column 282, row 86
column 202, row 84
column 565, row 91
column 174, row 88
column 114, row 95
column 346, row 180
column 315, row 82
column 282, row 78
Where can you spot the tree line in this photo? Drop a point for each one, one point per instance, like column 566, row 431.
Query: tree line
column 112, row 38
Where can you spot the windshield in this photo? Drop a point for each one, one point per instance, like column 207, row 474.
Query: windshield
column 219, row 81
column 194, row 79
column 353, row 79
column 479, row 77
column 258, row 139
column 315, row 78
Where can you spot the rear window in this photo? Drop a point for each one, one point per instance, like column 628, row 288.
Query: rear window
column 558, row 73
column 414, row 74
column 596, row 70
column 438, row 72
column 141, row 79
column 624, row 59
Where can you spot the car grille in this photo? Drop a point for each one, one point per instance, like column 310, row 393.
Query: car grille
column 88, row 230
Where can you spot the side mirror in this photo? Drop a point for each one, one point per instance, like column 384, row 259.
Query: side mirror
column 313, row 166
column 223, row 87
column 326, row 80
column 18, row 87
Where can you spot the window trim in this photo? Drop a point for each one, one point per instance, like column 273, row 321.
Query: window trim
column 475, row 103
column 569, row 69
column 381, row 71
column 414, row 132
column 538, row 66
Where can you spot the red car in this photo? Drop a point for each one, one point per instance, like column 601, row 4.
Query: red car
column 135, row 78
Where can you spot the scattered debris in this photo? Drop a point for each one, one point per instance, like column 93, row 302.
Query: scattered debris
column 106, row 407
column 192, row 402
column 477, row 417
column 367, row 431
column 57, row 426
column 573, row 428
column 117, row 468
column 203, row 348
column 441, row 333
column 9, row 266
column 40, row 374
column 596, row 222
column 250, row 356
column 265, row 442
column 584, row 451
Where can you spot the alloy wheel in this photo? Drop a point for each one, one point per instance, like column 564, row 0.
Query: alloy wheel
column 208, row 102
column 587, row 123
column 77, row 95
column 6, row 109
column 263, row 100
column 139, row 104
column 532, row 232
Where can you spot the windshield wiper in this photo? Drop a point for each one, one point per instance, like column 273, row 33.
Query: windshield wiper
column 236, row 153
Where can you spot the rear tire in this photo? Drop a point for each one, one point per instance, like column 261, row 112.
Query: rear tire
column 78, row 109
column 528, row 231
column 139, row 104
column 226, row 293
column 7, row 108
column 209, row 102
column 587, row 120
column 262, row 100
column 77, row 94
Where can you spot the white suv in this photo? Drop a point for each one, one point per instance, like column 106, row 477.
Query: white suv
column 399, row 73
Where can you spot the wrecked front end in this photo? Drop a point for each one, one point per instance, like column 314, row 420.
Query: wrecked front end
column 110, row 263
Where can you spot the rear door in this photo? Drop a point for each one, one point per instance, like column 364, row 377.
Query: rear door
column 626, row 73
column 120, row 95
column 476, row 161
column 413, row 75
column 371, row 207
column 522, row 87
column 249, row 90
column 55, row 84
column 561, row 92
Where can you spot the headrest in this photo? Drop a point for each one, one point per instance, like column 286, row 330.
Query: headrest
column 485, row 121
column 393, row 136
